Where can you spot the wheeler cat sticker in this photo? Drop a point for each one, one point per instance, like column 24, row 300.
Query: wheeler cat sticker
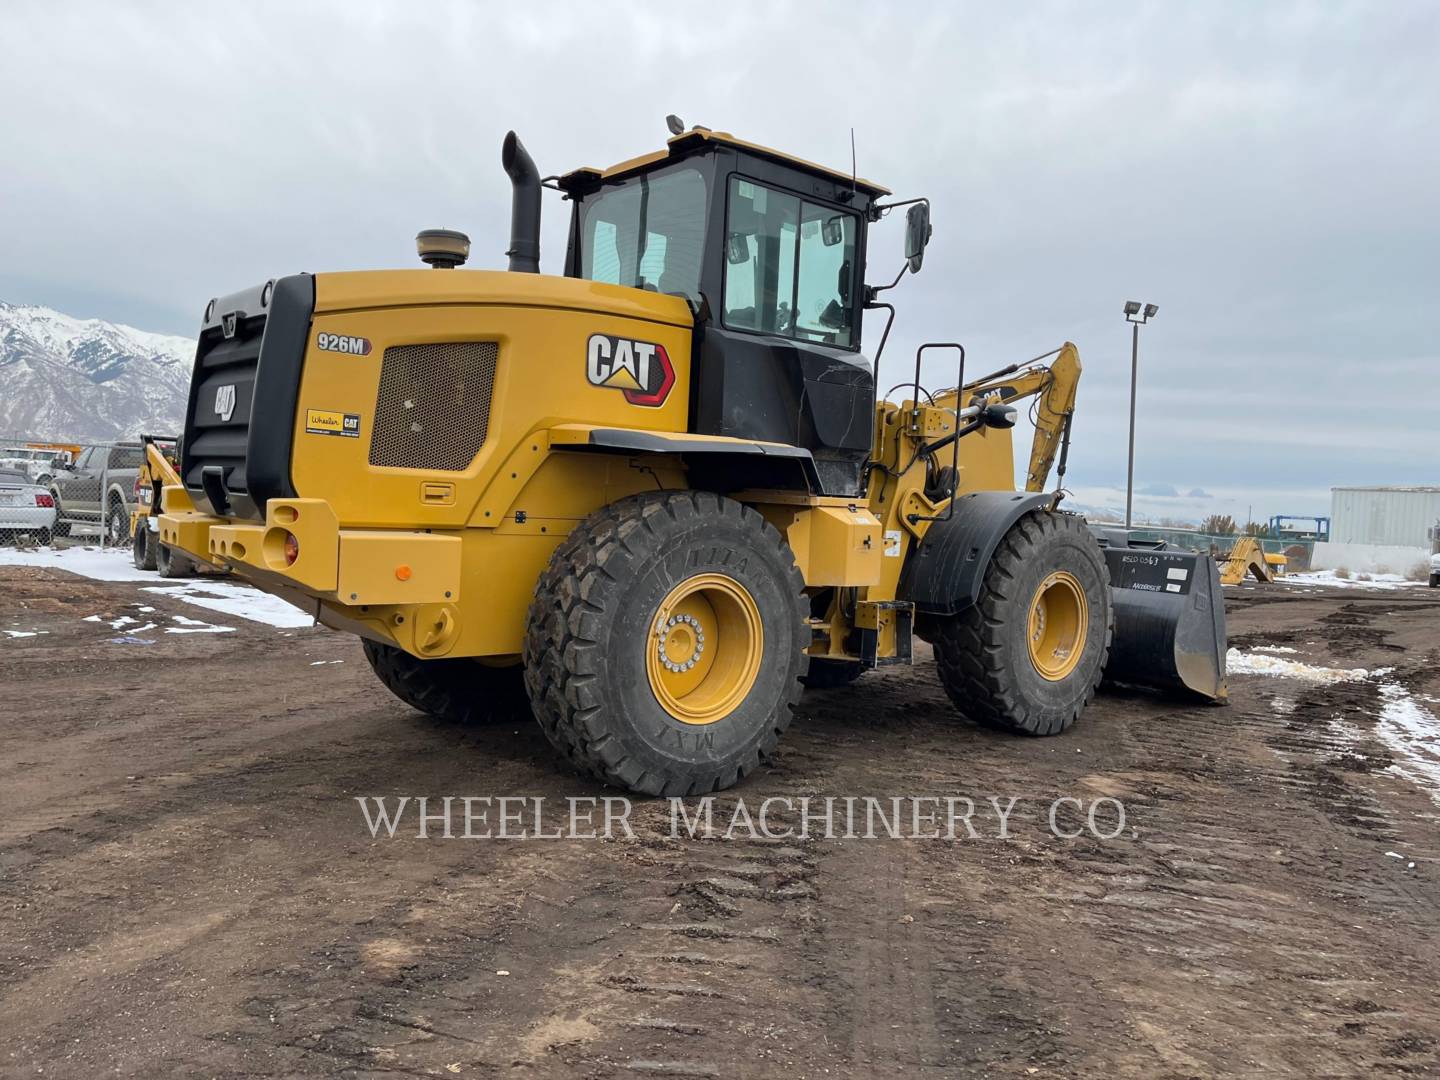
column 641, row 370
column 329, row 422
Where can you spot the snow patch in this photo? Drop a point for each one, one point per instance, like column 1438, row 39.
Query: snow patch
column 1410, row 730
column 1253, row 663
column 1385, row 582
column 114, row 624
column 241, row 601
column 114, row 564
column 97, row 564
column 26, row 633
column 196, row 626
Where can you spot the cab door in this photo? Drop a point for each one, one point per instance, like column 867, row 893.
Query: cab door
column 780, row 360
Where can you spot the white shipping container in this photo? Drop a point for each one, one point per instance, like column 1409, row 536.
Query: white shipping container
column 1400, row 516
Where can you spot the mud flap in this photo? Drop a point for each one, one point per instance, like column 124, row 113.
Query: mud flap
column 1169, row 618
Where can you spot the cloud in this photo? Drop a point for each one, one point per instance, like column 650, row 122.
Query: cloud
column 1197, row 493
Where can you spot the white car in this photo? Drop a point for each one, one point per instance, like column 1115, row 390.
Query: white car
column 25, row 507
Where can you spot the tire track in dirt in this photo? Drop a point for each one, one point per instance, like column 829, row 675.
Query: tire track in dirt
column 231, row 909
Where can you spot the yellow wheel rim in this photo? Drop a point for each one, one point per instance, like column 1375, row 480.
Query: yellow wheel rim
column 1059, row 618
column 703, row 648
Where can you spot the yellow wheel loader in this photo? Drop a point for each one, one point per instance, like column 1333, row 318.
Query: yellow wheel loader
column 653, row 498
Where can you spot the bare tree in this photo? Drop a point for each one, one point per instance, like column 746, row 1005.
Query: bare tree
column 1218, row 525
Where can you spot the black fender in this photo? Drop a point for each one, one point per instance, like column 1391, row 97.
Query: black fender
column 713, row 464
column 947, row 568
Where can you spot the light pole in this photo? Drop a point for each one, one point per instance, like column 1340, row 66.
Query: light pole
column 1137, row 318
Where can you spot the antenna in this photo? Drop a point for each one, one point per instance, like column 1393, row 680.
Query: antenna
column 854, row 177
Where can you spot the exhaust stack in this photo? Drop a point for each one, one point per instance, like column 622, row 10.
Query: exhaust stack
column 524, row 207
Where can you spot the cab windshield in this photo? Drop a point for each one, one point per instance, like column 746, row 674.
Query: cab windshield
column 647, row 233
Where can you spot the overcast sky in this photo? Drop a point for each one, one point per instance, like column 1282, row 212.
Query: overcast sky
column 1269, row 174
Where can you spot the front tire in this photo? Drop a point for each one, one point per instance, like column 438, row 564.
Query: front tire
column 463, row 691
column 1028, row 655
column 666, row 643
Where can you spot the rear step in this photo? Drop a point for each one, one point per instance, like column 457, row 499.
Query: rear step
column 1169, row 617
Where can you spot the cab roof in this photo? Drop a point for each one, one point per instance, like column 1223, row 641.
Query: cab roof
column 698, row 139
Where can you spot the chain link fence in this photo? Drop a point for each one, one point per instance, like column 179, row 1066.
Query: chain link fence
column 60, row 492
column 1297, row 552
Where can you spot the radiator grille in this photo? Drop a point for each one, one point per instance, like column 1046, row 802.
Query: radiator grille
column 434, row 405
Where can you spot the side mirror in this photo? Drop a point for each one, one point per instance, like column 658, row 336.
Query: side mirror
column 917, row 234
column 737, row 248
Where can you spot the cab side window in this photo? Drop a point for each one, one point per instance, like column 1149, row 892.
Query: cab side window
column 647, row 233
column 789, row 266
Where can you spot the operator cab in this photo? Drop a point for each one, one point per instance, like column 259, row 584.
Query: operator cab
column 770, row 252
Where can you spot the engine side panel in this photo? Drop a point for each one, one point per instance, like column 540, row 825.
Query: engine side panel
column 394, row 395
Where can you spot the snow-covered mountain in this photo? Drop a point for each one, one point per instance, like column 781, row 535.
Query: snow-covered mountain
column 84, row 380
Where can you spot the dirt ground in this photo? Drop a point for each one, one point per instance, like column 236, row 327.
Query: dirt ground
column 188, row 887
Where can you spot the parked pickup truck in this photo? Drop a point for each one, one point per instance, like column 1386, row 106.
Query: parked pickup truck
column 99, row 489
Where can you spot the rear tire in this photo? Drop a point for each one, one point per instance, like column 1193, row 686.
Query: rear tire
column 43, row 537
column 142, row 548
column 172, row 563
column 830, row 674
column 61, row 528
column 463, row 691
column 644, row 593
column 991, row 655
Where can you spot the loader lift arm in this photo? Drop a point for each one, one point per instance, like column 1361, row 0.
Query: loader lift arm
column 162, row 472
column 1054, row 387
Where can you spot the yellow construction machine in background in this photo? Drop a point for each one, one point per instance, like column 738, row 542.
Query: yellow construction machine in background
column 1247, row 558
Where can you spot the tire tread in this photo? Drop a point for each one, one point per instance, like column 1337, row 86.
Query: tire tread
column 562, row 640
column 970, row 653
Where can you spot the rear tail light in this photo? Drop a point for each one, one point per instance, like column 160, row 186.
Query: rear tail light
column 292, row 549
column 45, row 500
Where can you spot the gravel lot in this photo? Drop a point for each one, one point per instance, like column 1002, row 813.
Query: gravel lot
column 188, row 886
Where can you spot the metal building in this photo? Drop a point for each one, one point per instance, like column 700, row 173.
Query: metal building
column 1400, row 516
